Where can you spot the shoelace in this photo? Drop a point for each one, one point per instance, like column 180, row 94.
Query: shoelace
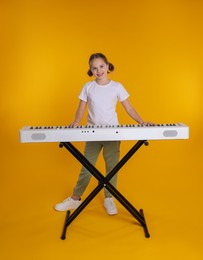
column 66, row 200
column 111, row 204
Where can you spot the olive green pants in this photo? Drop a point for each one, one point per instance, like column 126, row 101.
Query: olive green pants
column 111, row 154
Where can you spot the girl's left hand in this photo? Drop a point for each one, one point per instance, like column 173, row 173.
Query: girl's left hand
column 147, row 123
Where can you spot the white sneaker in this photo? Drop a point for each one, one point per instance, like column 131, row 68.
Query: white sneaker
column 67, row 204
column 110, row 206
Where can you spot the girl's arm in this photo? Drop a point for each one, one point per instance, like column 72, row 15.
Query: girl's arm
column 133, row 114
column 79, row 113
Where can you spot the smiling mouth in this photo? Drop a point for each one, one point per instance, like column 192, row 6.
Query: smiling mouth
column 100, row 75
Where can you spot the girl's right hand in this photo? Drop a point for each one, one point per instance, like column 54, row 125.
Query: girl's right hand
column 74, row 124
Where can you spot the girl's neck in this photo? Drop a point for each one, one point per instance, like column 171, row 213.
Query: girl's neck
column 102, row 81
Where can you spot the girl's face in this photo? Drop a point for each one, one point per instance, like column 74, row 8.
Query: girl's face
column 99, row 69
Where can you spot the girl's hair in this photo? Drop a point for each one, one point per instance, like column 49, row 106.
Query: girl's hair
column 103, row 57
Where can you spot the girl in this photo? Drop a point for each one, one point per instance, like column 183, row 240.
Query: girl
column 101, row 96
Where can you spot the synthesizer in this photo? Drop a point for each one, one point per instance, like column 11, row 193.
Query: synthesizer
column 39, row 134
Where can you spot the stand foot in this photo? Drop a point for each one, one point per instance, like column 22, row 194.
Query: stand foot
column 147, row 235
column 63, row 236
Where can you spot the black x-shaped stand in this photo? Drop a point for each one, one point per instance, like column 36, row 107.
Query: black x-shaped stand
column 104, row 182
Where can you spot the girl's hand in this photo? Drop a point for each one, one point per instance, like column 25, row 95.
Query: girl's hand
column 147, row 123
column 79, row 114
column 74, row 124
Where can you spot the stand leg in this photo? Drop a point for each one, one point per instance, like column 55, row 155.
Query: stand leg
column 63, row 236
column 147, row 235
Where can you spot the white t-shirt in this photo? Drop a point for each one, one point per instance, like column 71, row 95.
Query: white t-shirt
column 102, row 100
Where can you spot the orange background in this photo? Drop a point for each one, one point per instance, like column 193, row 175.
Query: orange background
column 156, row 47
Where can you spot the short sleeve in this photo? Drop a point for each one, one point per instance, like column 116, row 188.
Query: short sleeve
column 83, row 93
column 123, row 94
